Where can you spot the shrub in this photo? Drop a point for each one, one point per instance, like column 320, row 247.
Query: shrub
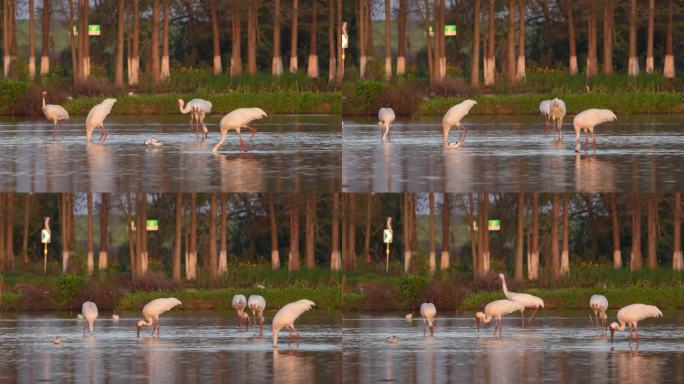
column 68, row 288
column 11, row 92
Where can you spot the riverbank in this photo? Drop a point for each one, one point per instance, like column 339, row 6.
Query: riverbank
column 354, row 291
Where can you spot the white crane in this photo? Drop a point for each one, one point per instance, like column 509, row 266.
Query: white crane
column 631, row 315
column 428, row 311
column 286, row 317
column 453, row 118
column 557, row 112
column 236, row 120
column 154, row 143
column 386, row 117
column 198, row 109
column 599, row 305
column 545, row 110
column 257, row 304
column 529, row 301
column 586, row 121
column 54, row 113
column 152, row 310
column 89, row 311
column 239, row 304
column 495, row 310
column 96, row 118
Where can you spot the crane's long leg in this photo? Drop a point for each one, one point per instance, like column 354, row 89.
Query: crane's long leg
column 465, row 132
column 423, row 327
column 296, row 334
column 500, row 327
column 636, row 327
column 242, row 143
column 532, row 317
column 253, row 132
column 522, row 319
column 593, row 139
column 261, row 328
column 83, row 327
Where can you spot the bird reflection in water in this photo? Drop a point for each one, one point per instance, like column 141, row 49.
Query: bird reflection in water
column 593, row 174
column 293, row 367
column 240, row 174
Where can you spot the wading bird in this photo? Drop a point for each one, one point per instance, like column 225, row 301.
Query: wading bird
column 453, row 118
column 529, row 301
column 96, row 118
column 428, row 311
column 586, row 121
column 495, row 310
column 198, row 109
column 385, row 119
column 239, row 304
column 557, row 112
column 286, row 317
column 57, row 340
column 54, row 113
column 153, row 143
column 236, row 120
column 545, row 110
column 631, row 315
column 89, row 311
column 152, row 310
column 257, row 304
column 599, row 304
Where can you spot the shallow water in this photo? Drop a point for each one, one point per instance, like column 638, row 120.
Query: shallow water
column 288, row 154
column 513, row 154
column 556, row 348
column 193, row 347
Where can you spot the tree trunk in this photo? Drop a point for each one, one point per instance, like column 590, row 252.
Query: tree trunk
column 223, row 250
column 252, row 20
column 293, row 36
column 617, row 254
column 446, row 215
column 565, row 254
column 571, row 36
column 608, row 9
column 216, row 43
column 442, row 41
column 344, row 220
column 433, row 251
column 521, row 70
column 277, row 63
column 24, row 243
column 236, row 54
column 3, row 204
column 401, row 36
column 633, row 64
column 518, row 274
column 335, row 262
column 310, row 230
column 134, row 59
column 510, row 43
column 351, row 221
column 340, row 51
column 439, row 60
column 332, row 57
column 652, row 220
column 555, row 254
column 649, row 39
column 475, row 56
column 131, row 237
column 388, row 41
column 165, row 65
column 82, row 33
column 275, row 254
column 474, row 248
column 428, row 42
column 592, row 60
column 9, row 235
column 635, row 257
column 312, row 64
column 669, row 65
column 406, row 225
column 64, row 230
column 119, row 69
column 154, row 44
column 533, row 262
column 6, row 58
column 490, row 66
column 45, row 43
column 91, row 254
column 213, row 255
column 72, row 39
column 104, row 232
column 677, row 260
column 144, row 254
column 176, row 270
column 32, row 41
column 361, row 11
column 367, row 237
column 191, row 266
column 485, row 245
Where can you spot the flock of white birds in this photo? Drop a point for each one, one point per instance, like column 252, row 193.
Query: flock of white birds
column 553, row 110
column 197, row 108
column 284, row 318
column 628, row 316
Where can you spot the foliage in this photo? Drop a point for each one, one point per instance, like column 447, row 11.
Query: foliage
column 11, row 92
column 68, row 287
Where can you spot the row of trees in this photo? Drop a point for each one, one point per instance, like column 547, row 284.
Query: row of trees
column 159, row 13
column 483, row 41
column 194, row 230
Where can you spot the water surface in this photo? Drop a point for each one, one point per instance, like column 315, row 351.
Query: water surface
column 288, row 154
column 513, row 154
column 195, row 347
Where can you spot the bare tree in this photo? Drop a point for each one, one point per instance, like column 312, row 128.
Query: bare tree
column 134, row 59
column 45, row 43
column 633, row 63
column 191, row 262
column 24, row 243
column 213, row 255
column 652, row 219
column 340, row 51
column 119, row 67
column 236, row 54
column 277, row 64
column 165, row 65
column 446, row 215
column 608, row 10
column 677, row 260
column 518, row 273
column 275, row 253
column 223, row 250
column 32, row 40
column 216, row 43
column 569, row 11
column 6, row 54
column 433, row 251
column 617, row 254
column 310, row 230
column 510, row 43
column 91, row 254
column 406, row 228
column 592, row 60
column 252, row 19
column 293, row 36
column 362, row 27
column 401, row 36
column 335, row 261
column 490, row 64
column 649, row 38
column 533, row 262
column 102, row 261
column 388, row 40
column 565, row 253
column 176, row 269
column 475, row 56
column 332, row 58
column 669, row 67
column 521, row 70
column 312, row 64
column 154, row 44
column 635, row 257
